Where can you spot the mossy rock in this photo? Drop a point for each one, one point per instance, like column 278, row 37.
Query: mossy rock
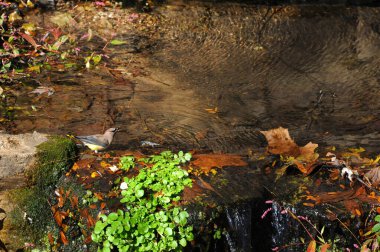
column 54, row 158
column 33, row 215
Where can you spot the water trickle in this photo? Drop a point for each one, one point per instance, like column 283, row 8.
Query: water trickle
column 239, row 231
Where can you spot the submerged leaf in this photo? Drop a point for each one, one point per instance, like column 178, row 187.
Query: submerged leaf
column 207, row 161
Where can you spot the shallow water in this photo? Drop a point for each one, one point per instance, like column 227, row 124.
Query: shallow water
column 214, row 75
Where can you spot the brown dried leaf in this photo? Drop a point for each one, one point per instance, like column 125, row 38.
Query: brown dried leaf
column 374, row 176
column 280, row 142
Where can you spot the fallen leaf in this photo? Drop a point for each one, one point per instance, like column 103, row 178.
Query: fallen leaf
column 208, row 161
column 58, row 218
column 280, row 142
column 95, row 174
column 374, row 176
column 74, row 201
column 102, row 205
column 51, row 239
column 63, row 238
column 29, row 39
column 98, row 195
column 88, row 239
column 308, row 204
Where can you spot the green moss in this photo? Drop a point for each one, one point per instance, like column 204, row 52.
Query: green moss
column 54, row 158
column 33, row 215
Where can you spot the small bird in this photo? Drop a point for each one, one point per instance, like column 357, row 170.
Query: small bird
column 98, row 142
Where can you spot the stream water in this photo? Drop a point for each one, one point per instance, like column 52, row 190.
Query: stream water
column 213, row 75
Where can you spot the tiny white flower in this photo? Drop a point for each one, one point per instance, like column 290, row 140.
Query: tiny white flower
column 123, row 186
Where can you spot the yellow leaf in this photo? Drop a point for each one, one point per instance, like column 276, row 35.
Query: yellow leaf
column 95, row 174
column 356, row 150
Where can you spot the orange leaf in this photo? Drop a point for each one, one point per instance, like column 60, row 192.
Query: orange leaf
column 104, row 164
column 357, row 212
column 58, row 218
column 308, row 204
column 102, row 205
column 93, row 206
column 312, row 246
column 63, row 238
column 74, row 201
column 88, row 239
column 324, row 247
column 90, row 221
column 98, row 195
column 51, row 239
column 75, row 167
column 208, row 161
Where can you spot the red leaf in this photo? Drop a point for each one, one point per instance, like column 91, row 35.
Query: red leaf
column 29, row 39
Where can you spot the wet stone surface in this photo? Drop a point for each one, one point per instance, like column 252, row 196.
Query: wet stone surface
column 212, row 76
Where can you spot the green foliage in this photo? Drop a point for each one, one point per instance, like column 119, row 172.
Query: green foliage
column 373, row 241
column 127, row 162
column 150, row 222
